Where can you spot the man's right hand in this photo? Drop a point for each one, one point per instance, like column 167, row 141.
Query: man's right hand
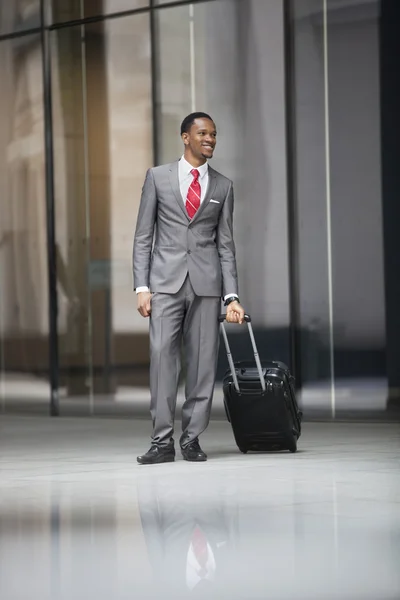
column 144, row 303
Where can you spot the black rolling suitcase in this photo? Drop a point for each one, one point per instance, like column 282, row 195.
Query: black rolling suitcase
column 260, row 401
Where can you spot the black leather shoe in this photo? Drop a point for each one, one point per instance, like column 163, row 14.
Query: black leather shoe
column 156, row 455
column 193, row 452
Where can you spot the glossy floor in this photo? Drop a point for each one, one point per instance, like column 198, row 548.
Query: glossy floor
column 79, row 519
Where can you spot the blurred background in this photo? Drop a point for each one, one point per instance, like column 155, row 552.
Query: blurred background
column 304, row 97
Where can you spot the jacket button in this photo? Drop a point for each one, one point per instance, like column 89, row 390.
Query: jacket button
column 189, row 252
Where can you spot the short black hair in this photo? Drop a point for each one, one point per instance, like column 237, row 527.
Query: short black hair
column 190, row 119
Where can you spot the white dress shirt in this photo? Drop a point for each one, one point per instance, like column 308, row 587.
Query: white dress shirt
column 193, row 568
column 185, row 180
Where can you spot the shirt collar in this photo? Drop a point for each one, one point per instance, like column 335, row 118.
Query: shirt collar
column 187, row 167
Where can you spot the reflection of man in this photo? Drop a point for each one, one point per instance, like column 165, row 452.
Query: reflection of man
column 189, row 538
column 189, row 207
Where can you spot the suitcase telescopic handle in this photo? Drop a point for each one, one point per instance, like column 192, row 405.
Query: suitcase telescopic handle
column 247, row 318
column 222, row 318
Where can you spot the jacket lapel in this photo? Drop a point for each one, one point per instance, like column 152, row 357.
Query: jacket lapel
column 212, row 182
column 174, row 180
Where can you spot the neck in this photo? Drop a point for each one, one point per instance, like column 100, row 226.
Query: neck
column 192, row 160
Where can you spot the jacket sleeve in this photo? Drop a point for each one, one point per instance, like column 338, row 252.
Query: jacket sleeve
column 143, row 241
column 226, row 246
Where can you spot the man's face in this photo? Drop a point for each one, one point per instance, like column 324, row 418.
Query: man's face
column 201, row 139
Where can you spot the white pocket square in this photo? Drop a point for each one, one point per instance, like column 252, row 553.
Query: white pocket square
column 215, row 201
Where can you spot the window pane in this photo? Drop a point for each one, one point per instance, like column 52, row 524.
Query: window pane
column 66, row 10
column 19, row 15
column 71, row 209
column 103, row 135
column 355, row 177
column 309, row 37
column 23, row 257
column 339, row 207
column 169, row 1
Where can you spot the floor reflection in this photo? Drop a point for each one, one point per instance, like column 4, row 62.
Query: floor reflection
column 190, row 532
column 224, row 537
column 79, row 519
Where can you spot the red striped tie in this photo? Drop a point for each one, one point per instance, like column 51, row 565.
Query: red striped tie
column 200, row 550
column 193, row 195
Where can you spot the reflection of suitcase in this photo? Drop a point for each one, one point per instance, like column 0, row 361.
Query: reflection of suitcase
column 260, row 402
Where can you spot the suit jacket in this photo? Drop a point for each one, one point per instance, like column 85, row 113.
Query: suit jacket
column 168, row 245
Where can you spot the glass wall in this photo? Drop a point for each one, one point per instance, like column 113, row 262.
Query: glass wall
column 339, row 228
column 120, row 87
column 19, row 16
column 103, row 146
column 59, row 11
column 23, row 255
column 123, row 74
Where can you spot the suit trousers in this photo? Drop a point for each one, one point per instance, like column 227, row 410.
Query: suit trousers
column 193, row 320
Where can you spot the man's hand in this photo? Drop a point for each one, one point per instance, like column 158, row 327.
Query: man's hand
column 144, row 303
column 235, row 313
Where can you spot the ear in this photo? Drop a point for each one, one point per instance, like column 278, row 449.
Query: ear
column 185, row 138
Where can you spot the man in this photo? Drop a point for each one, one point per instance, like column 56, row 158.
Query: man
column 186, row 210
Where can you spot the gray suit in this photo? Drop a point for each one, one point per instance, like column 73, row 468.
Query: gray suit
column 188, row 265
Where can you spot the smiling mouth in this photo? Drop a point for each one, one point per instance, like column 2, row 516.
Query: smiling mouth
column 208, row 146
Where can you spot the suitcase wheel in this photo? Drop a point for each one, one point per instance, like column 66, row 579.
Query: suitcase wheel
column 243, row 450
column 292, row 445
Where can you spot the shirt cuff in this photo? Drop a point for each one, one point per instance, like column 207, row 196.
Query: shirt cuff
column 230, row 296
column 142, row 288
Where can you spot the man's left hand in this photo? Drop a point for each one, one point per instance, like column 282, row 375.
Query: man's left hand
column 235, row 313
